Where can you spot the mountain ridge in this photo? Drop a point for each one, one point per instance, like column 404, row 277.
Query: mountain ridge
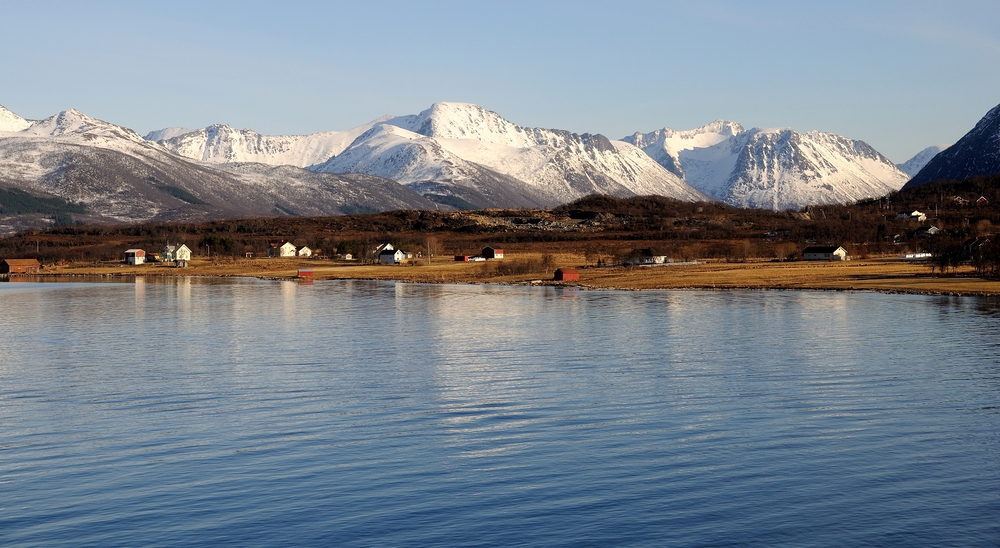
column 976, row 153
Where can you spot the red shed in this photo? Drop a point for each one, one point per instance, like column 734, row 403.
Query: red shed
column 462, row 258
column 566, row 275
column 19, row 266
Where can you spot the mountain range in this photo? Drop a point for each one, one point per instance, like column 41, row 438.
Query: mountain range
column 462, row 154
column 451, row 155
column 119, row 176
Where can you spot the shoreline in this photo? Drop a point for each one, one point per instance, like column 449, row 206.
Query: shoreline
column 892, row 276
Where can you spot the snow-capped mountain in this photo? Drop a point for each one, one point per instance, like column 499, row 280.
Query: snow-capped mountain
column 976, row 153
column 772, row 168
column 12, row 122
column 465, row 151
column 119, row 176
column 913, row 166
column 221, row 144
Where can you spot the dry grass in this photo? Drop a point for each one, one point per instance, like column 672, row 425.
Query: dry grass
column 874, row 275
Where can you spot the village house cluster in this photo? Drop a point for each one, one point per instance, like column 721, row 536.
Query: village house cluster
column 180, row 255
column 283, row 248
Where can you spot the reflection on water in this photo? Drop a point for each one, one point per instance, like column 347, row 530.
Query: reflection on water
column 372, row 413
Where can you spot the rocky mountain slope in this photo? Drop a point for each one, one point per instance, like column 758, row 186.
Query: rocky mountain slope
column 119, row 176
column 772, row 168
column 976, row 153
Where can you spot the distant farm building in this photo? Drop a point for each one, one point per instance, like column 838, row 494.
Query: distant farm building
column 135, row 256
column 462, row 258
column 566, row 275
column 492, row 253
column 982, row 201
column 19, row 266
column 391, row 256
column 647, row 256
column 304, row 252
column 824, row 253
column 927, row 231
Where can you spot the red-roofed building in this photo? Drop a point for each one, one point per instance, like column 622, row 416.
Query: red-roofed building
column 19, row 266
column 566, row 275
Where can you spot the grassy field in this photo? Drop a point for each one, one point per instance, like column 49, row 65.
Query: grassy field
column 888, row 275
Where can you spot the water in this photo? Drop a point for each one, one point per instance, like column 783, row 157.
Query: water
column 187, row 412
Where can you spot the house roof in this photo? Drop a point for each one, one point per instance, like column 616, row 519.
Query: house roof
column 134, row 251
column 821, row 249
column 22, row 262
column 389, row 252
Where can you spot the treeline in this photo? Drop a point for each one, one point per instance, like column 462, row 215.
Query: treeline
column 606, row 227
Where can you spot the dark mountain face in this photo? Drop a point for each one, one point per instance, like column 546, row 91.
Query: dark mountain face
column 977, row 153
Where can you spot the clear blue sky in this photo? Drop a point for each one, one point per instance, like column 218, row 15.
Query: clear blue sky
column 901, row 75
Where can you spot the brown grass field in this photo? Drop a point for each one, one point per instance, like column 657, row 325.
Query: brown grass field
column 885, row 275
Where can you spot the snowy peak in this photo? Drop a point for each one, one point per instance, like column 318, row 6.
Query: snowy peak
column 222, row 144
column 465, row 121
column 704, row 136
column 75, row 126
column 913, row 166
column 774, row 168
column 781, row 168
column 667, row 145
column 463, row 150
column 12, row 122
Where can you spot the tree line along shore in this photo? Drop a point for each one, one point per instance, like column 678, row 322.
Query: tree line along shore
column 734, row 247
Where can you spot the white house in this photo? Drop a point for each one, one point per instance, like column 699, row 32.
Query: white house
column 915, row 216
column 135, row 256
column 304, row 252
column 179, row 254
column 391, row 256
column 824, row 253
column 280, row 249
column 647, row 256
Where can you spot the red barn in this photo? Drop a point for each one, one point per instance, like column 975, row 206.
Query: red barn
column 462, row 258
column 19, row 266
column 566, row 275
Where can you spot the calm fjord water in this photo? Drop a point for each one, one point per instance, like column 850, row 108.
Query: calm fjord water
column 183, row 412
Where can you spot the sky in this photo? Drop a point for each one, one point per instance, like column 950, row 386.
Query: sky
column 900, row 75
